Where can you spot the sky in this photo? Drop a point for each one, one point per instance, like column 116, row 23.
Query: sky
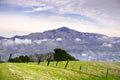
column 21, row 17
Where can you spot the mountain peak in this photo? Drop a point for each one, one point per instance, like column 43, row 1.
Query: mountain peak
column 64, row 29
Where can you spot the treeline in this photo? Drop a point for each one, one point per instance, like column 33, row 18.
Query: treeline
column 1, row 61
column 57, row 55
column 20, row 59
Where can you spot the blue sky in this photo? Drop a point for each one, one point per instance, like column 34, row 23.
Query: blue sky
column 19, row 17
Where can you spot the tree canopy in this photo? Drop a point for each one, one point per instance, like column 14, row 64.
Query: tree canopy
column 62, row 55
column 20, row 59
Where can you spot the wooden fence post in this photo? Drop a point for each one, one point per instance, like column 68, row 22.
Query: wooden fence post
column 107, row 73
column 86, row 69
column 56, row 63
column 67, row 63
column 96, row 71
column 80, row 67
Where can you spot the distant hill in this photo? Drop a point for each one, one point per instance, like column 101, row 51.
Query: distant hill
column 2, row 37
column 82, row 45
column 63, row 32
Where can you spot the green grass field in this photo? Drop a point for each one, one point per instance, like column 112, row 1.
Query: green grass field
column 32, row 71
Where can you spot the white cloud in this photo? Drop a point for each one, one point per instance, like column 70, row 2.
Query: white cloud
column 39, row 9
column 44, row 40
column 107, row 45
column 59, row 39
column 37, row 41
column 6, row 42
column 42, row 9
column 77, row 39
column 26, row 3
column 84, row 54
column 22, row 41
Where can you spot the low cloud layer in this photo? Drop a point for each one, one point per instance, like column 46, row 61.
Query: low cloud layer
column 20, row 41
column 9, row 42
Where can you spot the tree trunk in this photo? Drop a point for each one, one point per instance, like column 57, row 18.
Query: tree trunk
column 49, row 61
column 9, row 59
column 67, row 63
column 39, row 60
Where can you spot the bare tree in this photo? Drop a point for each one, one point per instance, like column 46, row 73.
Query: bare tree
column 49, row 59
column 39, row 57
column 10, row 56
column 32, row 58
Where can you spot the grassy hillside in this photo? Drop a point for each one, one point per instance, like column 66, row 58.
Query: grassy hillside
column 32, row 71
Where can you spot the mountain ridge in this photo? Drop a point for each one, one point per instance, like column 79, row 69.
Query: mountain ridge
column 56, row 33
column 63, row 29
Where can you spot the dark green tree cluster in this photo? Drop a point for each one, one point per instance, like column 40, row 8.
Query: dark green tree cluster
column 62, row 55
column 20, row 59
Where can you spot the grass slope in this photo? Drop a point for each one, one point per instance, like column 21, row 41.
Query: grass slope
column 32, row 71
